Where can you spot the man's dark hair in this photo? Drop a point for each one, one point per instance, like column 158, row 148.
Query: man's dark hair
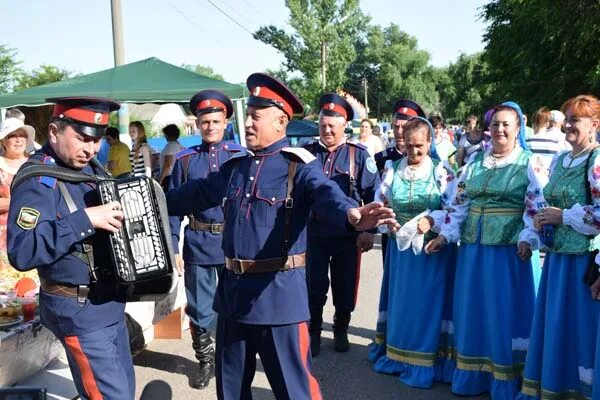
column 171, row 132
column 112, row 132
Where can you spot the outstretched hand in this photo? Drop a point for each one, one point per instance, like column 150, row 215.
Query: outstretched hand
column 371, row 216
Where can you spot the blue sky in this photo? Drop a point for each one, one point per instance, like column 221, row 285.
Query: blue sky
column 77, row 35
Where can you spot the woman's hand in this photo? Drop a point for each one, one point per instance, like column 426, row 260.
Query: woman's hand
column 595, row 289
column 524, row 251
column 424, row 225
column 436, row 245
column 548, row 216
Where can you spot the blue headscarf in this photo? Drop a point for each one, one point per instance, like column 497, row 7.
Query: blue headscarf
column 432, row 150
column 521, row 136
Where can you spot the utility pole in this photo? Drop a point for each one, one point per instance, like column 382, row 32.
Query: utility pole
column 366, row 96
column 117, row 27
column 323, row 61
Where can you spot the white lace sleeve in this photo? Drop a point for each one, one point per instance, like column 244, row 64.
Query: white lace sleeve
column 385, row 189
column 585, row 218
column 457, row 206
column 445, row 180
column 534, row 201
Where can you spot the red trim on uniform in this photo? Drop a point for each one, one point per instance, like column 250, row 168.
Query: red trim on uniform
column 263, row 91
column 81, row 114
column 335, row 107
column 313, row 384
column 210, row 103
column 407, row 111
column 87, row 375
column 358, row 261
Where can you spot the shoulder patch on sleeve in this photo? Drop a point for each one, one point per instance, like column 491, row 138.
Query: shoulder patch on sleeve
column 303, row 154
column 371, row 165
column 233, row 147
column 185, row 153
column 28, row 218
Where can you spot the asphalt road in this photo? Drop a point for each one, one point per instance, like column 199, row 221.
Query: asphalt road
column 341, row 375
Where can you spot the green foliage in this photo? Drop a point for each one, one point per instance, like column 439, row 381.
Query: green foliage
column 203, row 70
column 466, row 87
column 395, row 68
column 9, row 68
column 42, row 75
column 542, row 52
column 323, row 38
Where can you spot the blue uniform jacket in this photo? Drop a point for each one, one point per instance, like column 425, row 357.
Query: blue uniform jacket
column 254, row 227
column 391, row 153
column 201, row 247
column 336, row 165
column 42, row 233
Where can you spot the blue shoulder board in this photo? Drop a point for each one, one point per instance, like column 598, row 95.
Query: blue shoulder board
column 233, row 147
column 186, row 152
column 47, row 180
column 358, row 145
column 237, row 155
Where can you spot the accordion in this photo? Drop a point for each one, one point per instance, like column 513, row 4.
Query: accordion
column 142, row 252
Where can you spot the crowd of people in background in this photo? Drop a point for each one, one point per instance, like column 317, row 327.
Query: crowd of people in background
column 464, row 299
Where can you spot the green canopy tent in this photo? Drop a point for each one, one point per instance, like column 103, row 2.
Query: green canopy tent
column 146, row 81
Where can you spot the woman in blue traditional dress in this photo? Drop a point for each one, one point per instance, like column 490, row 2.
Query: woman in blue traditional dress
column 419, row 286
column 560, row 360
column 494, row 289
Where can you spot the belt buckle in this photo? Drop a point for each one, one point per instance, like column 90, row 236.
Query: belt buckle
column 82, row 293
column 238, row 267
column 289, row 202
column 216, row 229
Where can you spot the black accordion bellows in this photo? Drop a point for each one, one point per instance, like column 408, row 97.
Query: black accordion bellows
column 142, row 253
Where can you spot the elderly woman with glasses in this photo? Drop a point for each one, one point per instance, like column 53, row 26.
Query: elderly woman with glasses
column 560, row 360
column 494, row 289
column 415, row 340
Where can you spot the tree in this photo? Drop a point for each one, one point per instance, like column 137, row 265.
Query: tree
column 321, row 46
column 9, row 68
column 542, row 52
column 465, row 87
column 395, row 68
column 203, row 70
column 42, row 75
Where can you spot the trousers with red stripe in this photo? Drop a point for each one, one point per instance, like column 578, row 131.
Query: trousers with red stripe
column 284, row 351
column 99, row 355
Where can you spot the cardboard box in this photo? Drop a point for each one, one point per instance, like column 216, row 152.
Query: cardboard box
column 170, row 327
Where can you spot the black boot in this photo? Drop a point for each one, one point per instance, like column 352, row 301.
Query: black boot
column 205, row 353
column 341, row 320
column 314, row 329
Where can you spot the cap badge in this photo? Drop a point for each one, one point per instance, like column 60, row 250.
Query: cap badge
column 331, row 106
column 404, row 110
column 97, row 118
column 256, row 91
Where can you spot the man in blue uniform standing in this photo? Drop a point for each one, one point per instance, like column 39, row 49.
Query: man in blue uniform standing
column 202, row 245
column 261, row 298
column 60, row 229
column 329, row 249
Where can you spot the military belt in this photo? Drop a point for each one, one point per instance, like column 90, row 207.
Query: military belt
column 238, row 266
column 214, row 228
column 80, row 292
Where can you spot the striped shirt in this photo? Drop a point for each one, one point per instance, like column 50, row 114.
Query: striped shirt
column 137, row 161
